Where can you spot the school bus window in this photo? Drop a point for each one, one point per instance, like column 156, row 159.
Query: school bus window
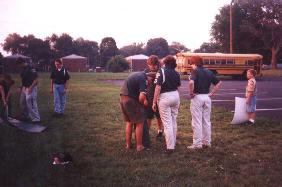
column 223, row 61
column 212, row 62
column 217, row 62
column 230, row 62
column 206, row 61
column 250, row 62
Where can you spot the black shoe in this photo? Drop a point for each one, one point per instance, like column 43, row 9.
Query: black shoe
column 24, row 119
column 160, row 134
column 168, row 151
column 249, row 123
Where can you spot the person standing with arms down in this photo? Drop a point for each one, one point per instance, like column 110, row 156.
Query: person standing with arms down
column 59, row 86
column 251, row 96
column 28, row 98
column 167, row 98
column 5, row 89
column 153, row 66
column 133, row 105
column 200, row 106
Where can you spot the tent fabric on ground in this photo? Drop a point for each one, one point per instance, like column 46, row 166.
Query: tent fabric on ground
column 27, row 127
column 240, row 114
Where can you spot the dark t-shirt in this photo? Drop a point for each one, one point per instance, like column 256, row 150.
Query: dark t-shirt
column 28, row 75
column 60, row 77
column 203, row 78
column 150, row 88
column 168, row 79
column 134, row 84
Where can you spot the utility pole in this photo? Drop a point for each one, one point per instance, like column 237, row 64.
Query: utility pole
column 231, row 33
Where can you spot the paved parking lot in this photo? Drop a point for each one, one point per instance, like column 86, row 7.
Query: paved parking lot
column 269, row 102
column 269, row 99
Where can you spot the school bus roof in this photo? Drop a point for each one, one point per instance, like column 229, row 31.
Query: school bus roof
column 221, row 55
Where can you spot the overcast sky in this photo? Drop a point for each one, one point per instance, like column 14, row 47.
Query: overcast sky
column 127, row 21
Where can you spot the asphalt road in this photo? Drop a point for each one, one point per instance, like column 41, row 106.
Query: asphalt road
column 269, row 99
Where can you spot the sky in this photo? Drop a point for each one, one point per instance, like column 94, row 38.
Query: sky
column 127, row 21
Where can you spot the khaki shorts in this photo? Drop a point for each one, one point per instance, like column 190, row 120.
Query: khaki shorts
column 132, row 110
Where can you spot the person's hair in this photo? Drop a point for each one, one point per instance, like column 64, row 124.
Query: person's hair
column 59, row 60
column 196, row 60
column 253, row 72
column 170, row 61
column 153, row 60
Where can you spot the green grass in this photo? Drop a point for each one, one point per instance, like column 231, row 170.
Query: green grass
column 93, row 132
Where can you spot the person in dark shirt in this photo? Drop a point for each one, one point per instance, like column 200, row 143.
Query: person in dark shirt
column 5, row 88
column 153, row 66
column 59, row 86
column 133, row 105
column 168, row 100
column 28, row 98
column 200, row 106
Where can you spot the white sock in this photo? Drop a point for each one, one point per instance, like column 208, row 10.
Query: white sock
column 252, row 120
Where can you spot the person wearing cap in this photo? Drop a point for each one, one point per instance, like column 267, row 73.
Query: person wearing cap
column 166, row 98
column 28, row 97
column 133, row 105
column 59, row 86
column 200, row 106
column 153, row 67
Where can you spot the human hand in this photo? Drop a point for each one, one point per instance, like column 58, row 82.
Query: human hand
column 154, row 107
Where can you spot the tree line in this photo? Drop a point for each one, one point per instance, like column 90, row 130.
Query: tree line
column 257, row 28
column 44, row 51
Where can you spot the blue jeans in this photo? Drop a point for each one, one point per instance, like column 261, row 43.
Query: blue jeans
column 60, row 98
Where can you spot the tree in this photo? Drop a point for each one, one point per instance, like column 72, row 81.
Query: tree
column 157, row 46
column 208, row 47
column 117, row 64
column 177, row 47
column 257, row 27
column 89, row 49
column 1, row 58
column 133, row 49
column 61, row 45
column 108, row 49
column 13, row 44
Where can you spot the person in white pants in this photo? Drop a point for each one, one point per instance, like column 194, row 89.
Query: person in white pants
column 199, row 88
column 167, row 99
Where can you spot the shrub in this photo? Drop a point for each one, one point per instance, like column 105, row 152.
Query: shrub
column 117, row 64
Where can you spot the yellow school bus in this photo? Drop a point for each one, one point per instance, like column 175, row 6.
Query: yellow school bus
column 235, row 65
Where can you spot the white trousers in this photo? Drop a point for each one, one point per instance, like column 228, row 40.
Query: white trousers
column 201, row 124
column 168, row 104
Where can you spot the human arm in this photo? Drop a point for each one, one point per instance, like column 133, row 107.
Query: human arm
column 142, row 99
column 156, row 96
column 191, row 88
column 3, row 95
column 51, row 86
column 66, row 85
column 34, row 83
column 215, row 88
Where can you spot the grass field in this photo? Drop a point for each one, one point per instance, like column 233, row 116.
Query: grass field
column 93, row 133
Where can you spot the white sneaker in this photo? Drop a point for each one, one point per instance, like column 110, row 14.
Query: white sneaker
column 194, row 147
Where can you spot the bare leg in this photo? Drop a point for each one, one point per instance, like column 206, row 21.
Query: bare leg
column 160, row 124
column 128, row 134
column 149, row 122
column 139, row 134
